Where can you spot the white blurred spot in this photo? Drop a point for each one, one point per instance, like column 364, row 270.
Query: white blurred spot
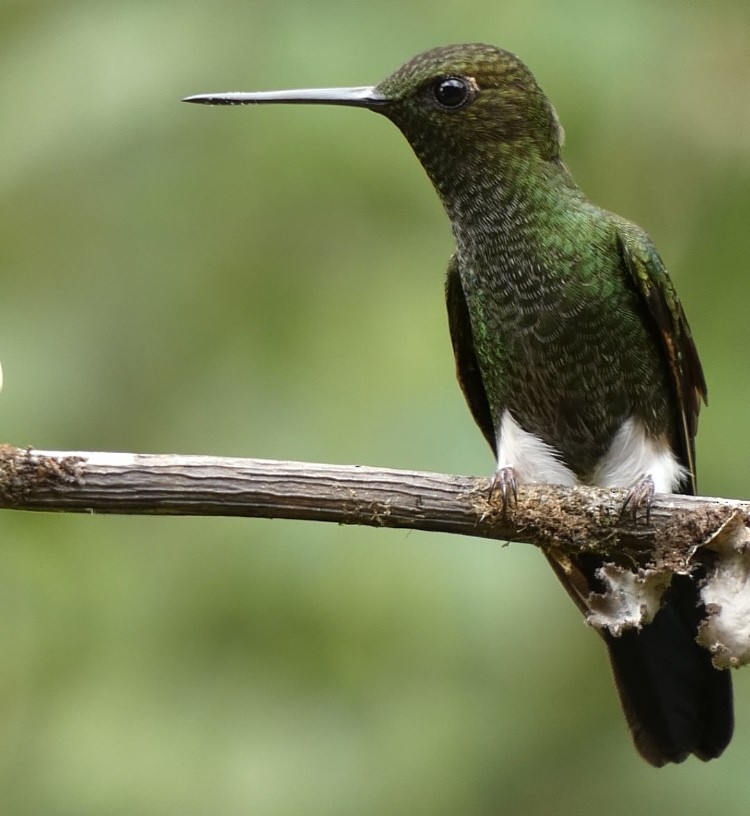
column 726, row 594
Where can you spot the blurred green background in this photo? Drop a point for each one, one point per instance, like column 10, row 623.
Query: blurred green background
column 268, row 282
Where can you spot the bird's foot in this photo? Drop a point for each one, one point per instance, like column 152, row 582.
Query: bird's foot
column 504, row 484
column 640, row 497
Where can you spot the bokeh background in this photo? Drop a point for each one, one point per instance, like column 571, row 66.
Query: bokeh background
column 268, row 282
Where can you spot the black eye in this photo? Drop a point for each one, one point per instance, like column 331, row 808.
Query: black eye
column 452, row 92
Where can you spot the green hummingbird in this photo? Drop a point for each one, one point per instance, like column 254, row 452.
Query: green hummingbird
column 571, row 346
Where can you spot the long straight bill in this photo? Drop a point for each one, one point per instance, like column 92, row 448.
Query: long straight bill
column 365, row 97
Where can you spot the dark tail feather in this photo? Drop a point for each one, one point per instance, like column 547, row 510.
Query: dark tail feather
column 676, row 703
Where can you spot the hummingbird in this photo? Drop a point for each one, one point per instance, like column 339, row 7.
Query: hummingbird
column 571, row 346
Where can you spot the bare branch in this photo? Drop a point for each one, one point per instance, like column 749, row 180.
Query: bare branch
column 681, row 531
column 582, row 518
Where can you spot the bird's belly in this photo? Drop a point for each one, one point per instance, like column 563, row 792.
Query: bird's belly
column 575, row 405
column 572, row 361
column 533, row 459
column 632, row 454
column 574, row 388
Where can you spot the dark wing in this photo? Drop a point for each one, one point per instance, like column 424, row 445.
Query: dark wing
column 675, row 701
column 650, row 277
column 467, row 367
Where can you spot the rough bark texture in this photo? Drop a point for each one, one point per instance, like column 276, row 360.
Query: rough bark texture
column 578, row 519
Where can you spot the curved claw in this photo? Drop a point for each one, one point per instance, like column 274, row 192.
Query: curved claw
column 505, row 483
column 640, row 496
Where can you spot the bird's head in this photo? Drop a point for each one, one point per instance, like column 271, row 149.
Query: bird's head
column 459, row 106
column 471, row 98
